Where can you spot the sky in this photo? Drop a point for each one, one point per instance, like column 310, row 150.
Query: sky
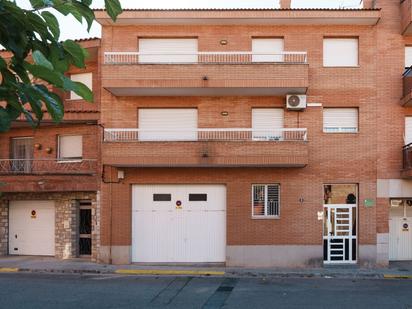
column 72, row 29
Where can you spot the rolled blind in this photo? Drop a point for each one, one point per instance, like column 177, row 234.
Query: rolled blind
column 340, row 119
column 408, row 130
column 168, row 50
column 167, row 124
column 267, row 123
column 340, row 52
column 70, row 147
column 408, row 56
column 85, row 78
column 269, row 48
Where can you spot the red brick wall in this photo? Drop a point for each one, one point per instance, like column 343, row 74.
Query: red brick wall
column 333, row 158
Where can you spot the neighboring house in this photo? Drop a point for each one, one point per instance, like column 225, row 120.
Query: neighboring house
column 250, row 137
column 50, row 177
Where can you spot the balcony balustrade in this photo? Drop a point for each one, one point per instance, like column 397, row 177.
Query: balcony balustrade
column 47, row 167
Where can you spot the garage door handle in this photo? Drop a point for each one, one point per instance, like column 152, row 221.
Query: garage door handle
column 15, row 236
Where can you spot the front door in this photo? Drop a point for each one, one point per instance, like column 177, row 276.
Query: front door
column 21, row 154
column 339, row 234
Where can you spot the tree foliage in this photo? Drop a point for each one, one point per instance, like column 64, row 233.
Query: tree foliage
column 38, row 57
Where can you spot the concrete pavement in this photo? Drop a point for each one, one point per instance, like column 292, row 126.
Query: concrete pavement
column 51, row 265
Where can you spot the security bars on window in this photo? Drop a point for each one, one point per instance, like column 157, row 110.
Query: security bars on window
column 266, row 200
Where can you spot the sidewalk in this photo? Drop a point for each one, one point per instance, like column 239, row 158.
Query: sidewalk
column 398, row 270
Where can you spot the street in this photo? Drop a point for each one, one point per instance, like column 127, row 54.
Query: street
column 115, row 291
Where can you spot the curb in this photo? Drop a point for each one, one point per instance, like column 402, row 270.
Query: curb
column 157, row 272
column 9, row 270
column 391, row 276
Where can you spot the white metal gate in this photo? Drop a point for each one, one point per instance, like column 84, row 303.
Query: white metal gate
column 339, row 237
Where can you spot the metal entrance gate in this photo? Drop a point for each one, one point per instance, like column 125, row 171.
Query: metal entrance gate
column 339, row 236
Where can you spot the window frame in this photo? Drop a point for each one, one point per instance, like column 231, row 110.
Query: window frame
column 340, row 131
column 67, row 160
column 266, row 216
column 342, row 38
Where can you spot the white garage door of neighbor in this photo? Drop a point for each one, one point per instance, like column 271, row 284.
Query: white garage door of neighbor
column 164, row 232
column 400, row 234
column 31, row 227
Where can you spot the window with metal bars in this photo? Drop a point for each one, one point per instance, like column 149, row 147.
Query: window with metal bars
column 266, row 200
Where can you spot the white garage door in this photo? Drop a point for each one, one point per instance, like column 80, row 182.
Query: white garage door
column 31, row 227
column 179, row 223
column 400, row 233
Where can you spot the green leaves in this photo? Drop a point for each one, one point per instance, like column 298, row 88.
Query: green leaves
column 39, row 59
column 113, row 8
column 52, row 23
column 32, row 38
column 76, row 53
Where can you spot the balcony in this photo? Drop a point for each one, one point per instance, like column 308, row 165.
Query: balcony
column 407, row 161
column 47, row 167
column 205, row 74
column 406, row 100
column 205, row 148
column 406, row 16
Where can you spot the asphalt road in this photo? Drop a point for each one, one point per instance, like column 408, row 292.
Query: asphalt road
column 110, row 291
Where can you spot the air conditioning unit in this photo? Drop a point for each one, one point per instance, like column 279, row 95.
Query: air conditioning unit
column 296, row 102
column 396, row 203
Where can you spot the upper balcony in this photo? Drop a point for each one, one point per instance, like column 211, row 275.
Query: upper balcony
column 237, row 147
column 205, row 73
column 407, row 161
column 43, row 175
column 407, row 88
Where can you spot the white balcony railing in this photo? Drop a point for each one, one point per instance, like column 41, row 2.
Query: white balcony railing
column 47, row 166
column 137, row 135
column 237, row 57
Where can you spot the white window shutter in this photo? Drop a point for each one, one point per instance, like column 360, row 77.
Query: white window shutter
column 167, row 124
column 168, row 50
column 70, row 147
column 267, row 50
column 408, row 130
column 85, row 78
column 267, row 123
column 340, row 52
column 408, row 56
column 344, row 120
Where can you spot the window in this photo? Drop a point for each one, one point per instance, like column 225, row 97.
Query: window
column 408, row 130
column 266, row 200
column 267, row 124
column 85, row 78
column 160, row 197
column 340, row 120
column 167, row 124
column 168, row 50
column 408, row 56
column 70, row 147
column 340, row 52
column 197, row 197
column 267, row 50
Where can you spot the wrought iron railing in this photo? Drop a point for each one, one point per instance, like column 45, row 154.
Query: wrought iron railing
column 47, row 166
column 137, row 135
column 237, row 57
column 407, row 157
